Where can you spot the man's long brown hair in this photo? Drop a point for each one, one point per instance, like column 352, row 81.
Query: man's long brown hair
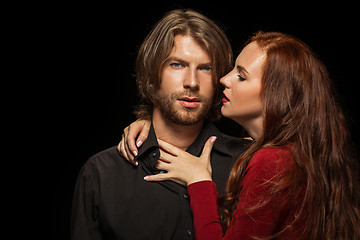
column 301, row 111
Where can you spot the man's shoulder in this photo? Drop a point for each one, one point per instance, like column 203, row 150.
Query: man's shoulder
column 109, row 158
column 110, row 152
column 228, row 144
column 236, row 140
column 236, row 144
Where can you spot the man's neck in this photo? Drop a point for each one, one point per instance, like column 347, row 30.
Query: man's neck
column 178, row 135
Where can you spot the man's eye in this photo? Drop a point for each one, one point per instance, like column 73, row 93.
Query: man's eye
column 207, row 69
column 176, row 65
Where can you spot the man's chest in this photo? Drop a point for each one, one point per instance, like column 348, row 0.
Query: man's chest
column 146, row 210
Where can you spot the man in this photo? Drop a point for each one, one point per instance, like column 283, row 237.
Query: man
column 178, row 68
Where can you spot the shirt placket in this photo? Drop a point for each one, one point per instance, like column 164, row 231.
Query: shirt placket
column 187, row 222
column 184, row 201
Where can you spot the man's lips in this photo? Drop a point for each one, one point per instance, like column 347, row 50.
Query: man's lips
column 189, row 102
column 225, row 99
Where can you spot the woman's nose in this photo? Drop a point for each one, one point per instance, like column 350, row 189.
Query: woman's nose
column 225, row 81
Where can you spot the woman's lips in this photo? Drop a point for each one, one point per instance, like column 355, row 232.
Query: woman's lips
column 225, row 99
column 189, row 102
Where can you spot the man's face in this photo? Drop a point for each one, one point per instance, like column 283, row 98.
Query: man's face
column 186, row 90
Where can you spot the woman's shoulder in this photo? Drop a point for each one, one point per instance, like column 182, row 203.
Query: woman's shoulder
column 283, row 152
column 278, row 157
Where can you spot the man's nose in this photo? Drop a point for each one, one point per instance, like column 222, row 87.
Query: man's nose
column 191, row 80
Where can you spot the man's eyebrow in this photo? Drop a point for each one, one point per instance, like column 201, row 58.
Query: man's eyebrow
column 242, row 69
column 206, row 64
column 177, row 60
column 186, row 62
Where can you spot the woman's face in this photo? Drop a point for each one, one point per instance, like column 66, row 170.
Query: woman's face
column 242, row 101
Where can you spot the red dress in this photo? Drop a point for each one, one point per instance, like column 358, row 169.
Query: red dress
column 266, row 220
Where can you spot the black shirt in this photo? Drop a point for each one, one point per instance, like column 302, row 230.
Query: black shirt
column 112, row 200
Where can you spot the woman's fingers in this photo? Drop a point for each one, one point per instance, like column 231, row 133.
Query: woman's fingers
column 169, row 148
column 181, row 166
column 163, row 177
column 144, row 132
column 138, row 130
column 161, row 165
column 124, row 149
column 157, row 177
column 130, row 134
column 208, row 147
column 166, row 157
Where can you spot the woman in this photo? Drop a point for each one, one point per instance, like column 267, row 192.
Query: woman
column 298, row 180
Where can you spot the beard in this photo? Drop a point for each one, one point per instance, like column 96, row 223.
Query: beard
column 169, row 107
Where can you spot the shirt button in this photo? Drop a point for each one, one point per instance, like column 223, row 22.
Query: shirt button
column 186, row 196
column 189, row 232
column 154, row 154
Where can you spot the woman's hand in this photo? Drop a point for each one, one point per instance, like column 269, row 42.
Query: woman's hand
column 127, row 148
column 181, row 166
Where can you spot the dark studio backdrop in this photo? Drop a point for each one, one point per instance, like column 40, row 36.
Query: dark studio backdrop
column 92, row 90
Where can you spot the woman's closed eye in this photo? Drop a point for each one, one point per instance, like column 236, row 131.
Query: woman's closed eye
column 241, row 78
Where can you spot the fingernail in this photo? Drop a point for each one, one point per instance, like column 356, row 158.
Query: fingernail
column 135, row 153
column 213, row 139
column 136, row 163
column 146, row 178
column 138, row 144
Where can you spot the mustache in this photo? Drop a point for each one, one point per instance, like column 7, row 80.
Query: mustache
column 188, row 93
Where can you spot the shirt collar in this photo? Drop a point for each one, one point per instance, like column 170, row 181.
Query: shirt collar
column 196, row 147
column 150, row 143
column 208, row 131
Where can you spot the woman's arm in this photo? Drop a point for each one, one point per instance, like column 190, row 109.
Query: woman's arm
column 257, row 212
column 203, row 201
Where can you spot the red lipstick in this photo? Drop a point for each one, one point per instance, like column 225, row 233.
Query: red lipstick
column 225, row 99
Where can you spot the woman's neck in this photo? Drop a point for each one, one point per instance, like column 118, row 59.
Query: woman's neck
column 254, row 128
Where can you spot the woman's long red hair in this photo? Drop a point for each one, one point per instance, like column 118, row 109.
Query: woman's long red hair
column 301, row 110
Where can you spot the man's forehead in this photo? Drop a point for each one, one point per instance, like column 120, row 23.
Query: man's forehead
column 187, row 49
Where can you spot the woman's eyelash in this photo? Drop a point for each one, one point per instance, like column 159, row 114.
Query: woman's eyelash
column 241, row 78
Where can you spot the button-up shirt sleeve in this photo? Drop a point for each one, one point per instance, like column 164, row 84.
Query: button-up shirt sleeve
column 84, row 217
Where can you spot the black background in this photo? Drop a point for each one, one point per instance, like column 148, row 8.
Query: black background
column 89, row 89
